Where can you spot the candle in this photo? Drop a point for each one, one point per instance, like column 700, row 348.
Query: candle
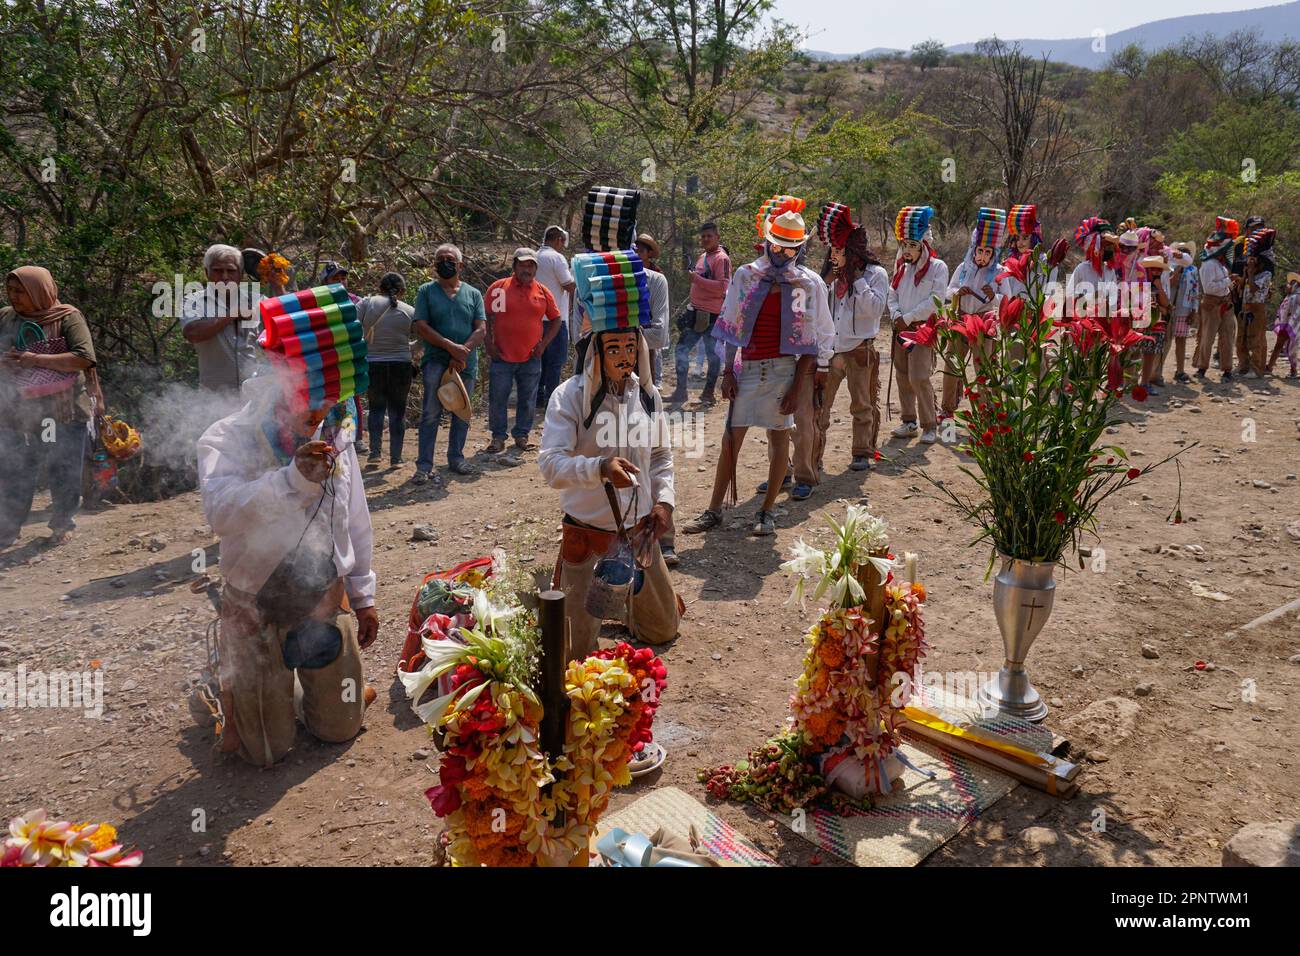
column 909, row 558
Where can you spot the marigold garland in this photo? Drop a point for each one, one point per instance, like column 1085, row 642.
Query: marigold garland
column 493, row 777
column 35, row 840
column 857, row 677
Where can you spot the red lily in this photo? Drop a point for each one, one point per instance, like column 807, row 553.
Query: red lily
column 1059, row 250
column 926, row 334
column 1016, row 266
column 1009, row 311
column 1120, row 337
column 971, row 327
column 1084, row 332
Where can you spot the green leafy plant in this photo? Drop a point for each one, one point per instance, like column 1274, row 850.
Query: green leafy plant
column 1040, row 403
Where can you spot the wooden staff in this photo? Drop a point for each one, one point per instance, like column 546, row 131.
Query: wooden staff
column 555, row 659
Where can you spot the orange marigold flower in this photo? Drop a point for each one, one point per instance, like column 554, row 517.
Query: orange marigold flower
column 831, row 653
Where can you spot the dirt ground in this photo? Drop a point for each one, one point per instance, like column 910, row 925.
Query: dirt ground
column 1176, row 772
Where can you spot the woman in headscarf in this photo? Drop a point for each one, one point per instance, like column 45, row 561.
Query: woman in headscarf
column 44, row 405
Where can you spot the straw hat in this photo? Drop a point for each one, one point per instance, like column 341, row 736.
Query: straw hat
column 1154, row 262
column 1292, row 277
column 453, row 396
column 787, row 230
column 649, row 241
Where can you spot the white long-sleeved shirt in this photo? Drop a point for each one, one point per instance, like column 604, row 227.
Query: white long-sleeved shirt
column 857, row 315
column 1215, row 279
column 1089, row 292
column 970, row 275
column 656, row 333
column 571, row 454
column 912, row 302
column 260, row 509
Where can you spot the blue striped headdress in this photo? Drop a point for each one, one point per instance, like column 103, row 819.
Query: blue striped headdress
column 612, row 289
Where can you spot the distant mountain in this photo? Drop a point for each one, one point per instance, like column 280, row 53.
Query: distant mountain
column 865, row 54
column 1273, row 23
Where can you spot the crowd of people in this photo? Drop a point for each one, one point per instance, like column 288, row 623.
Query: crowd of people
column 780, row 339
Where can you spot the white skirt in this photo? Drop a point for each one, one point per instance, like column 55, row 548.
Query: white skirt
column 759, row 392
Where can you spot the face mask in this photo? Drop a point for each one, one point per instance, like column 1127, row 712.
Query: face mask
column 445, row 268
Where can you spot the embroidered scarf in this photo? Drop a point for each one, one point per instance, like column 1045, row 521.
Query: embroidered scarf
column 786, row 277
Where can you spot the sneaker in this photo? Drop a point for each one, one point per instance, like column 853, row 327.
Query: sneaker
column 395, row 463
column 801, row 492
column 1154, row 389
column 523, row 444
column 761, row 488
column 860, row 463
column 905, row 430
column 496, row 447
column 670, row 556
column 1227, row 377
column 704, row 521
column 929, row 436
column 764, row 524
column 462, row 467
column 1182, row 378
column 420, row 478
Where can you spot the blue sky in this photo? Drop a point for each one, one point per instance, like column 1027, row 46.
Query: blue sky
column 850, row 26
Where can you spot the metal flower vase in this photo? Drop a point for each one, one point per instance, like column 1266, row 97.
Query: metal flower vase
column 1023, row 592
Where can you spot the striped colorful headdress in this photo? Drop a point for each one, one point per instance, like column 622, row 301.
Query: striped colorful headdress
column 611, row 286
column 1261, row 240
column 774, row 207
column 1022, row 220
column 1088, row 237
column 315, row 335
column 1223, row 226
column 913, row 222
column 835, row 224
column 989, row 226
column 609, row 219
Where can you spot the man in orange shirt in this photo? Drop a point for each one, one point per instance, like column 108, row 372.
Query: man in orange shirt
column 522, row 319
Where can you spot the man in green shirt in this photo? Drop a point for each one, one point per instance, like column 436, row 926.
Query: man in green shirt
column 449, row 316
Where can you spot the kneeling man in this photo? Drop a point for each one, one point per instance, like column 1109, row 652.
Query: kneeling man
column 282, row 488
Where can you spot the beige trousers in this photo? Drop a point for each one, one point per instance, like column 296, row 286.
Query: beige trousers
column 952, row 367
column 1214, row 326
column 655, row 610
column 260, row 689
column 1252, row 339
column 913, row 368
column 860, row 368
